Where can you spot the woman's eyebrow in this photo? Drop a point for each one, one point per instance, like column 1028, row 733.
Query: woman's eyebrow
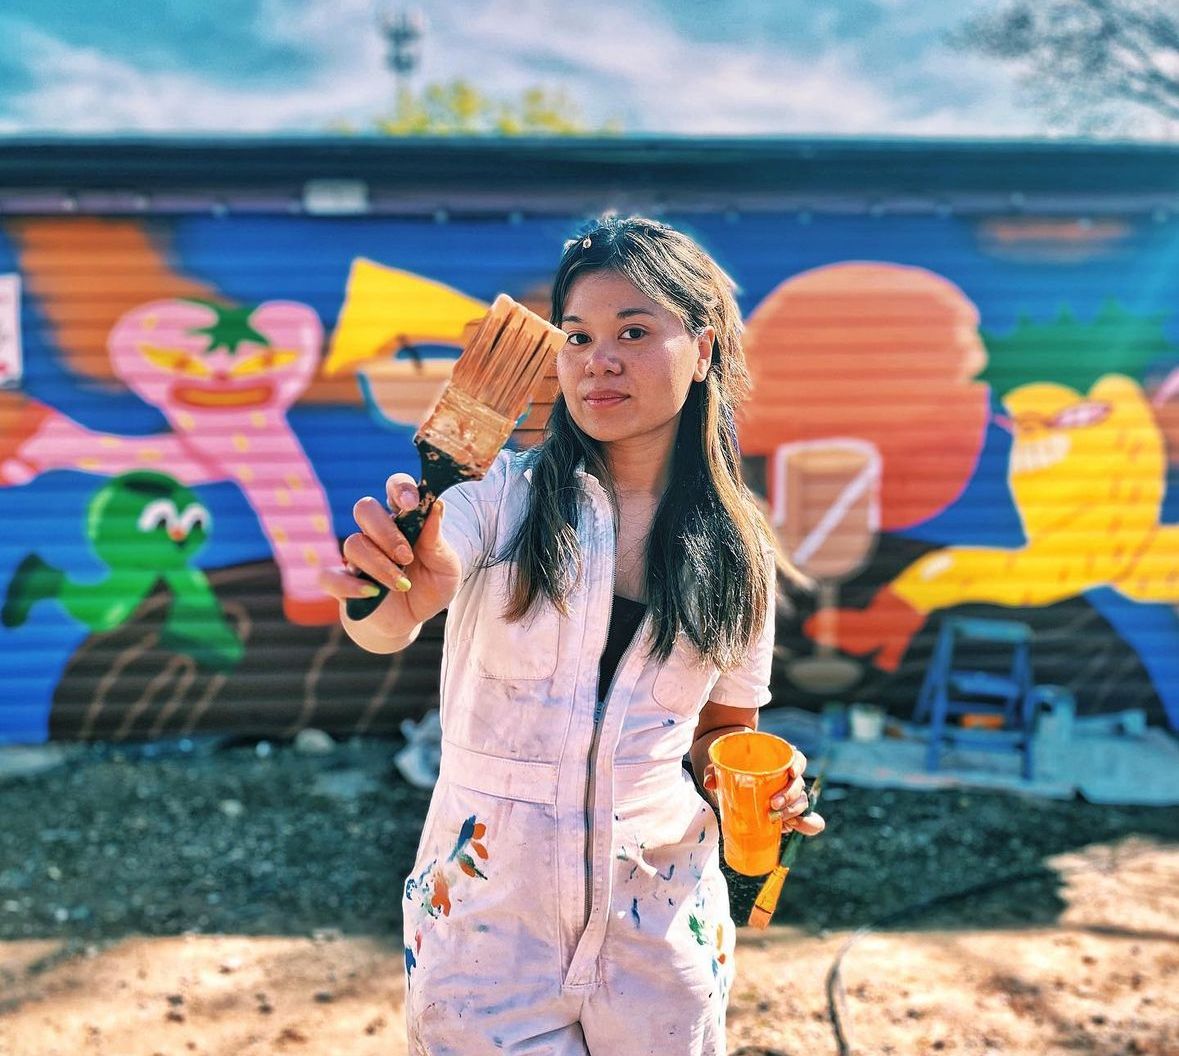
column 621, row 315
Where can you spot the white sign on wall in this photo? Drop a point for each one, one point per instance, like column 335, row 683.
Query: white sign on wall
column 10, row 355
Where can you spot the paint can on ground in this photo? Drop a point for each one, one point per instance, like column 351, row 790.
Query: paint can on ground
column 867, row 722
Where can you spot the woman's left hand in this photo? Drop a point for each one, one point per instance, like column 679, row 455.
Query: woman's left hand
column 788, row 802
column 791, row 801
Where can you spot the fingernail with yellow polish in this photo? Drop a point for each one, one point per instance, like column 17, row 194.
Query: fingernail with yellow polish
column 370, row 591
column 402, row 584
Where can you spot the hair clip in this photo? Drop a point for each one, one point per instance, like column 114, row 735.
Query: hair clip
column 585, row 243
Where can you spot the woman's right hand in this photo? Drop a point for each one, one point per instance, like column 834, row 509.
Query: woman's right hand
column 422, row 581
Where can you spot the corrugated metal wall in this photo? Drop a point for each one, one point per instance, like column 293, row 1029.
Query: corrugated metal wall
column 954, row 414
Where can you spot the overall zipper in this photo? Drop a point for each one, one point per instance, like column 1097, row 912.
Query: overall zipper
column 599, row 715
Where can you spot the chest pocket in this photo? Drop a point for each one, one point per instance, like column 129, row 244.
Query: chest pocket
column 526, row 649
column 682, row 682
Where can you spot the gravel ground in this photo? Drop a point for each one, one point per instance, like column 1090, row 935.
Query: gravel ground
column 225, row 898
column 218, row 836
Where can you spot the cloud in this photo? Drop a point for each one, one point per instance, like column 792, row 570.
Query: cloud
column 86, row 90
column 629, row 62
column 616, row 58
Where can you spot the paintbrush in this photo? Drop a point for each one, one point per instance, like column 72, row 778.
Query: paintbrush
column 771, row 889
column 493, row 382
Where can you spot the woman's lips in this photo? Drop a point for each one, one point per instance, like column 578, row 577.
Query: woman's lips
column 609, row 401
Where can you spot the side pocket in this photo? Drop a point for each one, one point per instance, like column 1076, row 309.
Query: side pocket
column 426, row 849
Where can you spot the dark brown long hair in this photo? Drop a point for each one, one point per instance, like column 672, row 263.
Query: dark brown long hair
column 705, row 571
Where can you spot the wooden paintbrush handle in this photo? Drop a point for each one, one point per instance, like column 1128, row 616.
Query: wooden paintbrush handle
column 439, row 472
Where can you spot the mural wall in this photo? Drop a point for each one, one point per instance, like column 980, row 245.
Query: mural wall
column 951, row 416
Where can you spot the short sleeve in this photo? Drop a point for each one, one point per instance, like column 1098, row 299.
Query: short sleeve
column 468, row 523
column 748, row 684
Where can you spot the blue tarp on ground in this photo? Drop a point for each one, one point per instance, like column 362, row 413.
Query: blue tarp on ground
column 1102, row 765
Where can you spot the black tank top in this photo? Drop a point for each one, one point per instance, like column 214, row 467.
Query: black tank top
column 625, row 617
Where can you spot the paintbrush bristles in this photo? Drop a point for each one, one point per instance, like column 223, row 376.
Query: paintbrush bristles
column 490, row 386
column 474, row 355
column 767, row 898
column 507, row 356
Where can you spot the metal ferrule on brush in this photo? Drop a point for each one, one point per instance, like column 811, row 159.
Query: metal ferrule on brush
column 470, row 432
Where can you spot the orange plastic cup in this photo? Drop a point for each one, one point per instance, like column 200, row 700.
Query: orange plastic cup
column 750, row 768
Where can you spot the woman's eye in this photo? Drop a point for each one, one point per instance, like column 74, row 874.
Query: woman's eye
column 637, row 331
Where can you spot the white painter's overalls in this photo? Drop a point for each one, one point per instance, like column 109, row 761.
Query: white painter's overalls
column 566, row 896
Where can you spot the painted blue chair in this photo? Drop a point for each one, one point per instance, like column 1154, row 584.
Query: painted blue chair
column 948, row 690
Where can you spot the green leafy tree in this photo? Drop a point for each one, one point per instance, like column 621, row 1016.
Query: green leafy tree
column 460, row 108
column 1090, row 66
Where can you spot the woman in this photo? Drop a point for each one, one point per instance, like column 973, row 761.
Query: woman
column 611, row 598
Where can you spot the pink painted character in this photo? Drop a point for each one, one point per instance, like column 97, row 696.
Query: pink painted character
column 224, row 377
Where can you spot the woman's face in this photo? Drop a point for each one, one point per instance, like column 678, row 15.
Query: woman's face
column 622, row 342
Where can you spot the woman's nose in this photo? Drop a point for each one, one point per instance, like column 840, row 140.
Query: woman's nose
column 601, row 358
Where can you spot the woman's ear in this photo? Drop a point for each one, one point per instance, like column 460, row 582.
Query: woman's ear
column 704, row 343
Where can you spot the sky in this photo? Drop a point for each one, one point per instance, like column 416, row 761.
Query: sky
column 739, row 67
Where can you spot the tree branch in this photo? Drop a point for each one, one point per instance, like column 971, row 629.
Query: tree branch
column 1084, row 52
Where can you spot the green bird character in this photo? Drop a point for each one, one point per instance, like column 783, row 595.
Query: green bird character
column 145, row 526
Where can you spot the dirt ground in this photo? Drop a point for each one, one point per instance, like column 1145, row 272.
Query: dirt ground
column 1101, row 980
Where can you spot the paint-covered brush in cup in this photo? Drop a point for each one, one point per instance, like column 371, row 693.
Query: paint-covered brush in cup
column 493, row 382
column 771, row 890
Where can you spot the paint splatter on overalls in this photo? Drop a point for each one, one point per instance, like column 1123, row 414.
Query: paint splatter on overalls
column 566, row 896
